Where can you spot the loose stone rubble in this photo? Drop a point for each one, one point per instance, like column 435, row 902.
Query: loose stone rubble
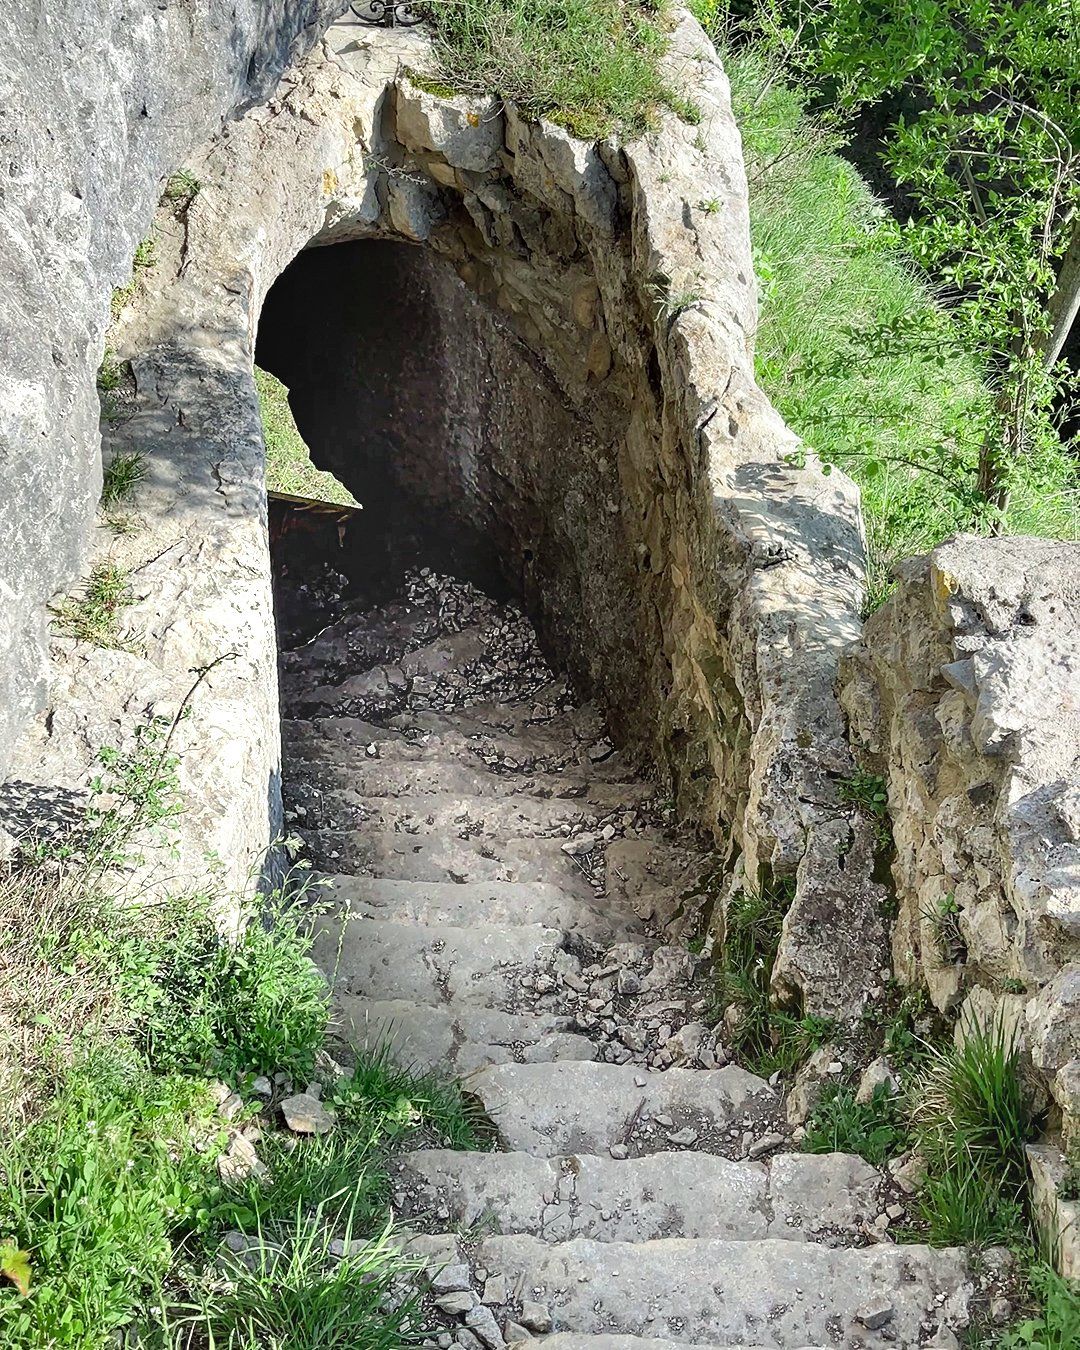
column 644, row 1187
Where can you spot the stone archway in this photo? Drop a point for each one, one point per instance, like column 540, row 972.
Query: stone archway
column 698, row 576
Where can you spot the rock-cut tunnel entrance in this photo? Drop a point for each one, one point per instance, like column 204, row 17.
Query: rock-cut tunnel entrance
column 414, row 394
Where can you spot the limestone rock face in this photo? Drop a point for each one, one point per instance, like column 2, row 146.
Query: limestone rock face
column 98, row 103
column 966, row 690
column 575, row 375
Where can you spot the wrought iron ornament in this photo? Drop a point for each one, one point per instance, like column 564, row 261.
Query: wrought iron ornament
column 385, row 13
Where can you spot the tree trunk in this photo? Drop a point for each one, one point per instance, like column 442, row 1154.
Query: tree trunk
column 1065, row 301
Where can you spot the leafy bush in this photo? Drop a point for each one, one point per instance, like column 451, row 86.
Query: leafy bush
column 1056, row 1323
column 855, row 347
column 112, row 1211
column 204, row 1004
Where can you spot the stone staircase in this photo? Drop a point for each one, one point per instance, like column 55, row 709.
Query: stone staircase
column 511, row 906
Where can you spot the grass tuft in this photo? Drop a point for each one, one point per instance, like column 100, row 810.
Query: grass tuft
column 876, row 1130
column 121, row 476
column 95, row 613
column 766, row 1039
column 972, row 1122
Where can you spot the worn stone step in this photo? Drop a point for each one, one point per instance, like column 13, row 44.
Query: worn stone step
column 797, row 1196
column 368, row 777
column 548, row 1109
column 581, row 725
column 358, row 641
column 481, row 965
column 463, row 904
column 362, row 684
column 715, row 1291
column 445, row 857
column 533, row 749
column 484, row 817
column 566, row 1340
column 459, row 1039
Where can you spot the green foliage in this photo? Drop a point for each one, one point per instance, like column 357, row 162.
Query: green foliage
column 116, row 1013
column 869, row 792
column 110, row 374
column 94, row 615
column 765, row 1038
column 295, row 1293
column 988, row 154
column 181, row 189
column 590, row 65
column 971, row 1123
column 383, row 1101
column 252, row 1006
column 121, row 476
column 855, row 345
column 1056, row 1323
column 97, row 1190
column 945, row 923
column 876, row 1130
column 288, row 461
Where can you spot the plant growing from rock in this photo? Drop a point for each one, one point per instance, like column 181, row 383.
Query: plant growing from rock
column 93, row 615
column 121, row 476
column 876, row 1130
column 971, row 1121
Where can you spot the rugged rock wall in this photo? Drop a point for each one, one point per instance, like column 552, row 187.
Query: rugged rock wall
column 702, row 579
column 965, row 691
column 98, row 102
column 596, row 416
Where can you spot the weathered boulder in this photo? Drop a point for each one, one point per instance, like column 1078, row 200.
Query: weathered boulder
column 965, row 691
column 99, row 102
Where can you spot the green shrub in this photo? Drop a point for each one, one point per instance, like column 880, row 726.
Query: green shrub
column 205, row 1004
column 1055, row 1325
column 854, row 347
column 98, row 1190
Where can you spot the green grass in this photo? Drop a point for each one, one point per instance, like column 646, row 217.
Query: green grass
column 853, row 347
column 591, row 65
column 181, row 189
column 971, row 1122
column 1054, row 1321
column 116, row 1020
column 93, row 615
column 121, row 476
column 876, row 1130
column 288, row 461
column 766, row 1039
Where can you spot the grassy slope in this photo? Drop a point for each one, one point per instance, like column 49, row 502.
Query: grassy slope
column 117, row 1024
column 903, row 416
column 591, row 65
column 288, row 460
